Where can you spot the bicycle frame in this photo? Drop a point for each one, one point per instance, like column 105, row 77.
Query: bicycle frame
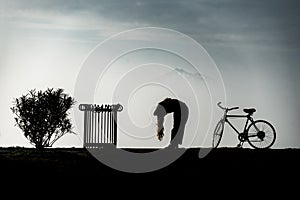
column 249, row 118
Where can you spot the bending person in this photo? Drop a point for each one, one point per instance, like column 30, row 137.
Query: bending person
column 180, row 117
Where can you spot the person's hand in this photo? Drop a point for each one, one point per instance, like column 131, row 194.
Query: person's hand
column 160, row 134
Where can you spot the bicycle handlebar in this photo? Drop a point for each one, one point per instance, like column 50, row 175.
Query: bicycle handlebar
column 227, row 109
column 234, row 108
column 219, row 104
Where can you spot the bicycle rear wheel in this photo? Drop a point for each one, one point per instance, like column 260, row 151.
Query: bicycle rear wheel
column 218, row 132
column 261, row 134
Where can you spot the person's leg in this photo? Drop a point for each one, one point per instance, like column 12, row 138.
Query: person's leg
column 176, row 126
column 180, row 119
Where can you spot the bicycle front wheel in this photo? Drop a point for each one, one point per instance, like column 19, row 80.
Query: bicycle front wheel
column 261, row 134
column 218, row 132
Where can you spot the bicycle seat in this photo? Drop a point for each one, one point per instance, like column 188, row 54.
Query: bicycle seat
column 250, row 111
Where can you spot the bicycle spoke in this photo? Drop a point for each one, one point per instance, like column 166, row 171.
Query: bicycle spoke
column 268, row 128
column 259, row 145
column 263, row 127
column 269, row 136
column 265, row 139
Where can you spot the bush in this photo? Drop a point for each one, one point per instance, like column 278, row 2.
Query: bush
column 43, row 116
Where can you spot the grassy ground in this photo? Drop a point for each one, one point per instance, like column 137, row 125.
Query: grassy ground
column 223, row 162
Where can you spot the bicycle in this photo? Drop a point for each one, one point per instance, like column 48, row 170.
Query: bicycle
column 259, row 134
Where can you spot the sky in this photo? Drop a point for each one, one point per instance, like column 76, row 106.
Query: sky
column 254, row 45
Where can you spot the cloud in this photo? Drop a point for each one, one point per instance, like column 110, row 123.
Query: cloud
column 192, row 76
column 189, row 74
column 230, row 22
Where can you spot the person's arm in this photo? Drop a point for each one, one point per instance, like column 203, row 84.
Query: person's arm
column 160, row 112
column 160, row 127
column 160, row 123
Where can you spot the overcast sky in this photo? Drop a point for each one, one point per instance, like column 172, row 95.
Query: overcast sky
column 255, row 45
column 267, row 22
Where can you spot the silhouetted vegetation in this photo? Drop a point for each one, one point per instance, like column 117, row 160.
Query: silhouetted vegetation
column 43, row 116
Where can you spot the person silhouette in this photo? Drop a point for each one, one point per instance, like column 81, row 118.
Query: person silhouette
column 180, row 115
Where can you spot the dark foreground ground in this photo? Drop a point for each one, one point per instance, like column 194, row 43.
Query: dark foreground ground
column 219, row 163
